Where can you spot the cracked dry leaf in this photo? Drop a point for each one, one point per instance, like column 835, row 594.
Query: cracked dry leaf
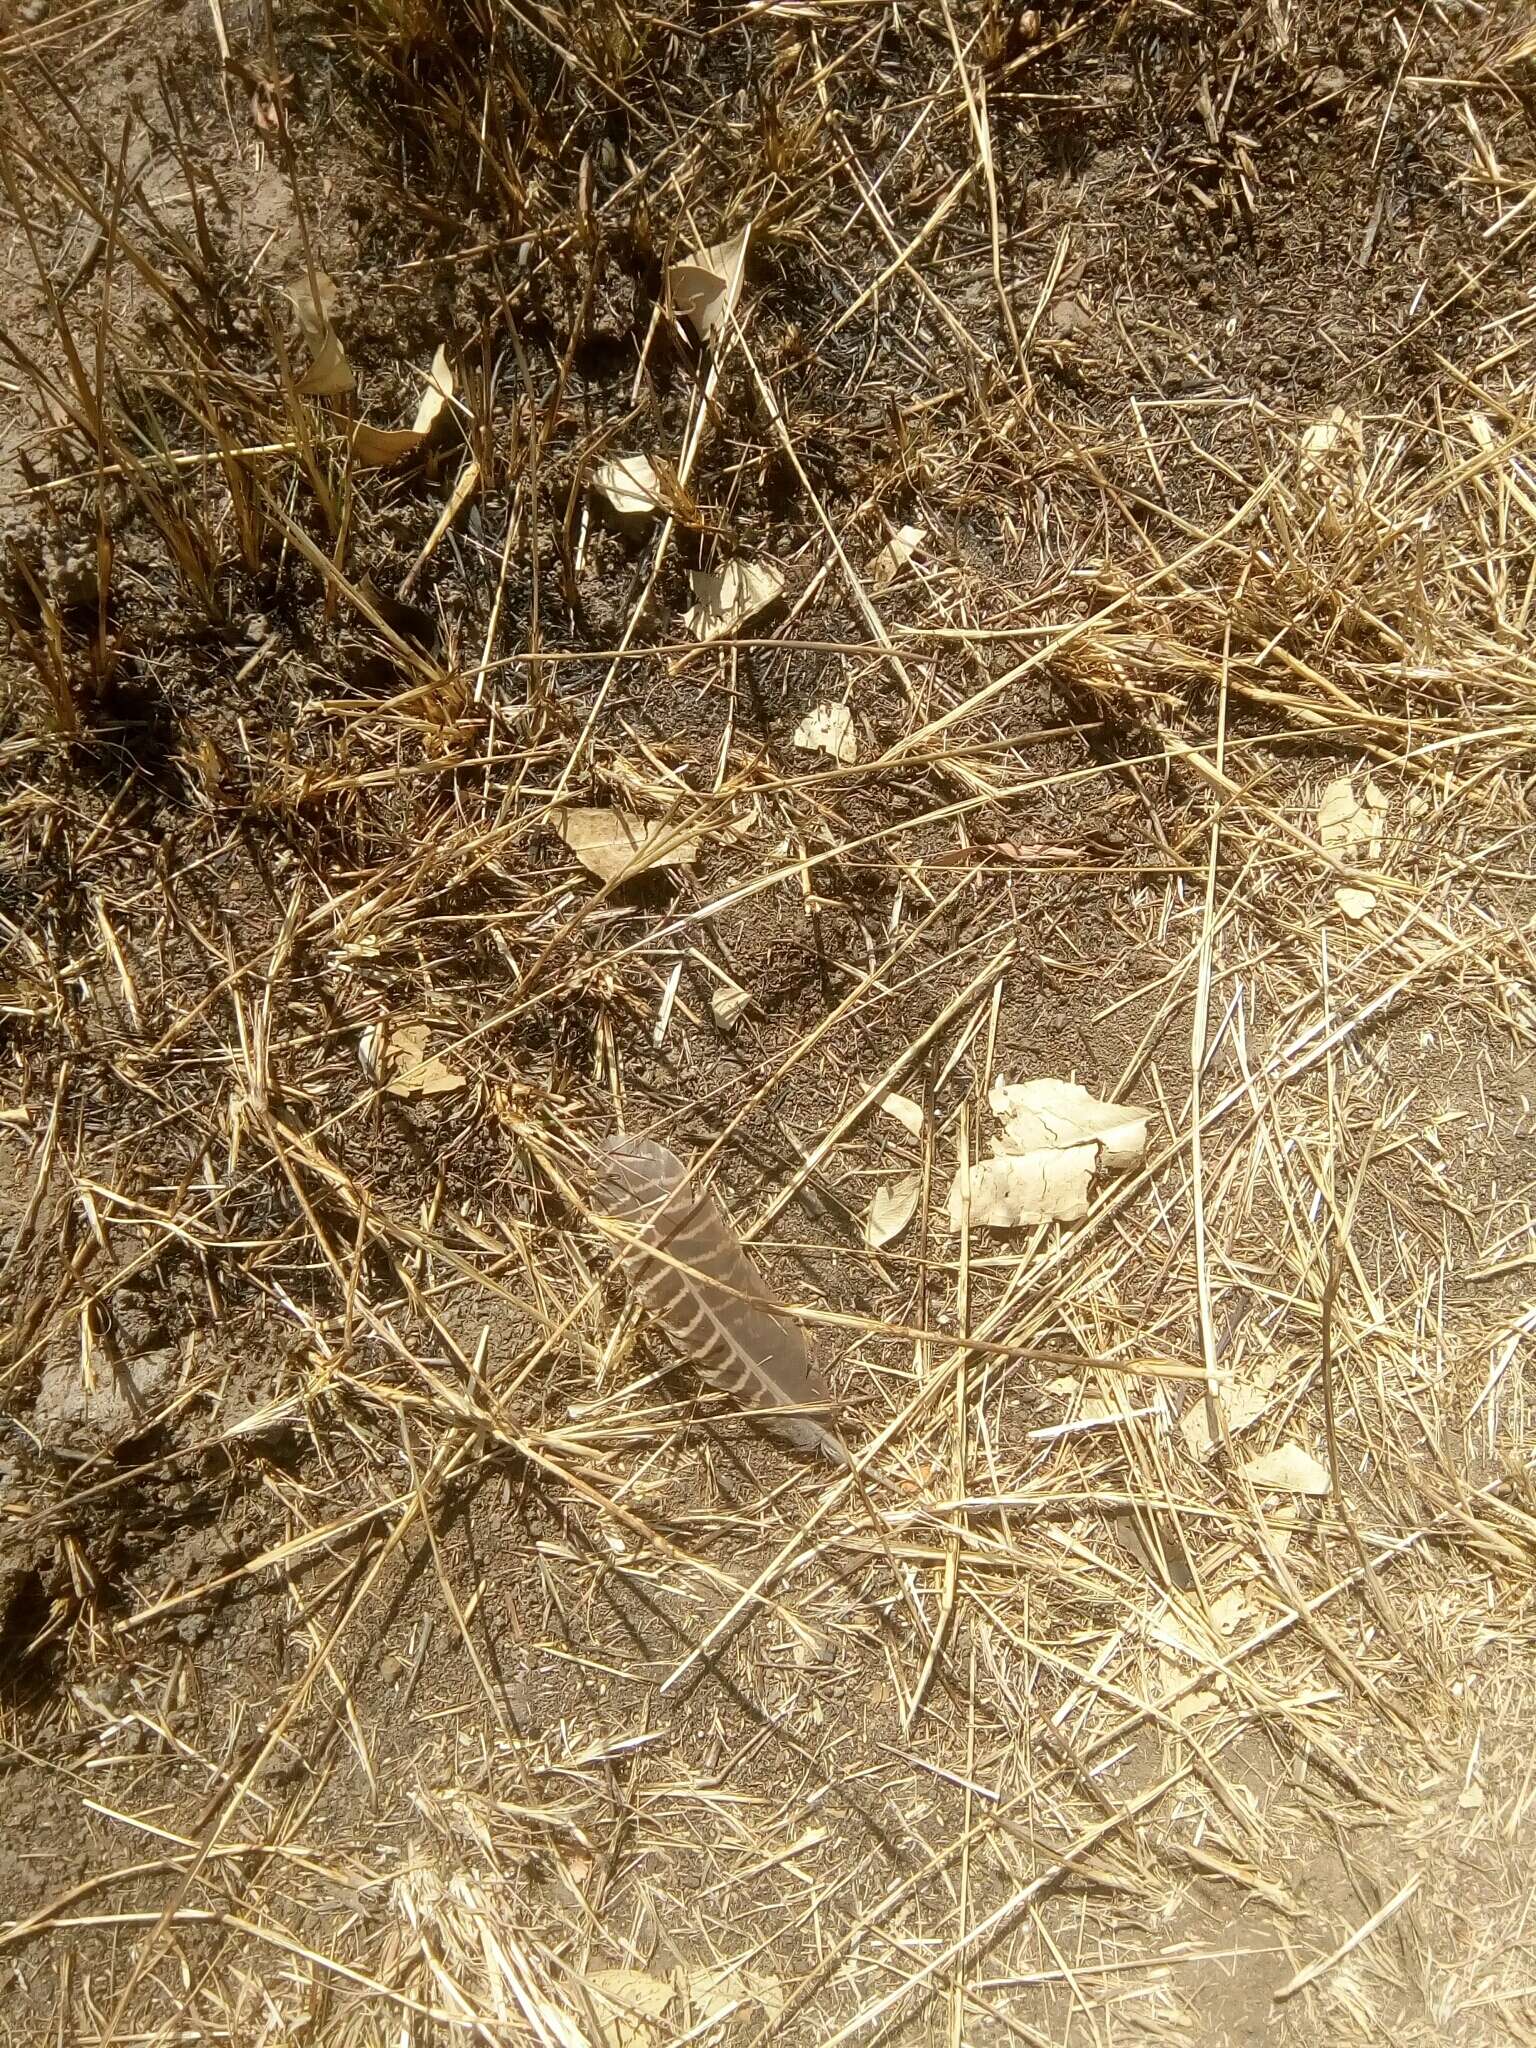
column 1038, row 1114
column 1287, row 1469
column 632, row 490
column 380, row 447
column 891, row 1210
column 895, row 555
column 828, row 730
column 614, row 843
column 1242, row 1403
column 714, row 1992
column 1348, row 827
column 706, row 286
column 1055, row 1138
column 397, row 1057
column 1026, row 1187
column 723, row 601
column 629, row 2005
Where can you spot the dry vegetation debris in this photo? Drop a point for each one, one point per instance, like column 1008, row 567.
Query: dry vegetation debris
column 937, row 542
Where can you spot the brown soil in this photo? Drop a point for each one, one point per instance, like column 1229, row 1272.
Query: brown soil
column 396, row 1640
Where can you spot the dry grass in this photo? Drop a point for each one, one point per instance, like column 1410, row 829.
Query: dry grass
column 423, row 1648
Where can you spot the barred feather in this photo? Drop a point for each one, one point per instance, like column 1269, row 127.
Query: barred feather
column 693, row 1273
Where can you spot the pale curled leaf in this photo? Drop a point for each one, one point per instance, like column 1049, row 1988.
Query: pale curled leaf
column 828, row 730
column 725, row 600
column 895, row 555
column 614, row 843
column 706, row 286
column 313, row 299
column 1356, row 904
column 399, row 1059
column 891, row 1209
column 632, row 489
column 687, row 1264
column 1288, row 1469
column 380, row 447
column 908, row 1114
column 727, row 1003
column 330, row 374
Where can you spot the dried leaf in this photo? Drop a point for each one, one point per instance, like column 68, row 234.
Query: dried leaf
column 1356, row 904
column 629, row 2006
column 1230, row 1611
column 1189, row 1705
column 895, row 555
column 613, row 843
column 1289, row 1469
column 828, row 730
column 725, row 600
column 1040, row 1114
column 891, row 1210
column 1055, row 1137
column 1347, row 827
column 314, row 301
column 1026, row 1187
column 632, row 489
column 727, row 1002
column 468, row 483
column 908, row 1114
column 330, row 374
column 380, row 447
column 1331, row 462
column 713, row 1992
column 1242, row 1403
column 706, row 286
column 686, row 1262
column 436, row 393
column 396, row 1056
